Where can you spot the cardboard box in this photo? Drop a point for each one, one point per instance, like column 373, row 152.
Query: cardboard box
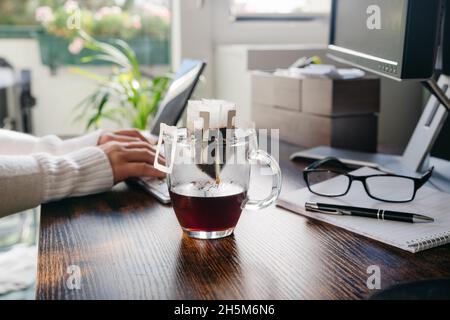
column 283, row 92
column 356, row 132
column 288, row 93
column 325, row 97
column 341, row 97
column 263, row 88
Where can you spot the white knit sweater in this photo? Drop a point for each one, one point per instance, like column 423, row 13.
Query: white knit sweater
column 38, row 170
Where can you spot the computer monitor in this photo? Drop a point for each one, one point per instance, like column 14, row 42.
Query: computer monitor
column 401, row 40
column 394, row 38
column 180, row 91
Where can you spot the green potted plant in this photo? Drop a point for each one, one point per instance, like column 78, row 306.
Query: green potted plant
column 125, row 96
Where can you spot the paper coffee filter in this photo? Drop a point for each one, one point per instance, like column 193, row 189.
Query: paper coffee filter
column 210, row 114
column 207, row 120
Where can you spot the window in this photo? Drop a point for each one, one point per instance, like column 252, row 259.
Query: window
column 279, row 9
column 124, row 18
column 144, row 24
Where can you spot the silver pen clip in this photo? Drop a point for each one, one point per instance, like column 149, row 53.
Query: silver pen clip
column 313, row 207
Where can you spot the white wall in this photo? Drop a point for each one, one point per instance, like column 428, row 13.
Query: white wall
column 56, row 95
column 192, row 38
column 227, row 31
column 200, row 27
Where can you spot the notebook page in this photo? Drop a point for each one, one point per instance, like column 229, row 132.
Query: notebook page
column 406, row 236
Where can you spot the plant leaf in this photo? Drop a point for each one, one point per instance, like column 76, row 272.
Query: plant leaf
column 104, row 57
column 116, row 56
column 92, row 121
column 88, row 74
column 131, row 57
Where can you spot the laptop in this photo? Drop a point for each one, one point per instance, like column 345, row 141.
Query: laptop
column 170, row 112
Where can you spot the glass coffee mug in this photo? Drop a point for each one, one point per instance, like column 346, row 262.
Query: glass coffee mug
column 208, row 179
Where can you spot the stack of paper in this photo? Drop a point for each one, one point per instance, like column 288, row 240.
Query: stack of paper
column 406, row 236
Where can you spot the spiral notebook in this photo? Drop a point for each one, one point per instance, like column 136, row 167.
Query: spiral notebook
column 407, row 236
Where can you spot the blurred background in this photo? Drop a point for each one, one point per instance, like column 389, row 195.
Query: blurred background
column 34, row 35
column 70, row 66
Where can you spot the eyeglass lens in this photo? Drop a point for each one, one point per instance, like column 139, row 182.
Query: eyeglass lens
column 391, row 188
column 339, row 188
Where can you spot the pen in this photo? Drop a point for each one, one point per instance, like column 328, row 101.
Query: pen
column 367, row 213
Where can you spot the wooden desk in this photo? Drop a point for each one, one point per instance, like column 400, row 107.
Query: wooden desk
column 128, row 246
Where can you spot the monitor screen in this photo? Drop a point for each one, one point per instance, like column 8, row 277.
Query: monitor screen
column 395, row 38
column 361, row 33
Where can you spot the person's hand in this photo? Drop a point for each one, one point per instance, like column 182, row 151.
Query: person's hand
column 130, row 135
column 131, row 160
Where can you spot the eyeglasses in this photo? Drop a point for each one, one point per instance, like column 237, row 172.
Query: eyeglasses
column 378, row 186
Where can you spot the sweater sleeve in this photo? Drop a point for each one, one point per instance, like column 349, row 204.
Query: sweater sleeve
column 28, row 181
column 16, row 143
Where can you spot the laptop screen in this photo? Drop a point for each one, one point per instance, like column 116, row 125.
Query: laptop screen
column 180, row 91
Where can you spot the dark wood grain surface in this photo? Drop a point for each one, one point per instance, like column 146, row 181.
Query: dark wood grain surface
column 128, row 246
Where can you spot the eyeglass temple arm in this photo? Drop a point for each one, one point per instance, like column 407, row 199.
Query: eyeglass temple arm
column 330, row 160
column 425, row 178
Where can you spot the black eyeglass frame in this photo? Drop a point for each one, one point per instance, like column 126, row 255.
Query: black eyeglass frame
column 342, row 168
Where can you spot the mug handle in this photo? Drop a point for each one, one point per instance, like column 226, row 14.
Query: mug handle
column 172, row 131
column 268, row 160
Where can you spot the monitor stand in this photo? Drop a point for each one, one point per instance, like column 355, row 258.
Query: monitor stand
column 416, row 158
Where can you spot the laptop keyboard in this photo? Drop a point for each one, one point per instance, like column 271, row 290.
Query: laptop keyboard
column 156, row 187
